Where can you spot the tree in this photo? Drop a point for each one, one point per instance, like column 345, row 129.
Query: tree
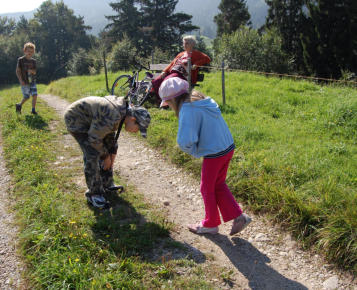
column 167, row 26
column 10, row 49
column 126, row 22
column 329, row 45
column 149, row 24
column 234, row 14
column 122, row 55
column 288, row 17
column 246, row 49
column 22, row 26
column 7, row 25
column 57, row 33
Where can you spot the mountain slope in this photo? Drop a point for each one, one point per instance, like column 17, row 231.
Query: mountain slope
column 203, row 13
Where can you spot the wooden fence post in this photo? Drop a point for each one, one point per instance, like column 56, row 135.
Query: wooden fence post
column 105, row 70
column 189, row 64
column 223, row 85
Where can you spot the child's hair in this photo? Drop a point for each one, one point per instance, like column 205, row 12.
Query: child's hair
column 29, row 45
column 178, row 101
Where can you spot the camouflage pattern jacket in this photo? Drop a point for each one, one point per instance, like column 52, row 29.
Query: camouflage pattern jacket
column 99, row 118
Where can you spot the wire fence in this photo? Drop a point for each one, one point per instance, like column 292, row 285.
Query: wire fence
column 223, row 69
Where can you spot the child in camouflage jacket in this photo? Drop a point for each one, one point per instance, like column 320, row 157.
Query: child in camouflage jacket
column 93, row 122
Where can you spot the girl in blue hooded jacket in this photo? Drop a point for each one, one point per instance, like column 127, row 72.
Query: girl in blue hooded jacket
column 203, row 133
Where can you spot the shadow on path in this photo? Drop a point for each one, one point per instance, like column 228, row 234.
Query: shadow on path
column 253, row 264
column 127, row 232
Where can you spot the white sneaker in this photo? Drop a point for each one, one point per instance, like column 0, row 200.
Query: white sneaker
column 199, row 229
column 240, row 223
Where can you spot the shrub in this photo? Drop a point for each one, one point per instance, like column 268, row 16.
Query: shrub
column 122, row 55
column 79, row 63
column 246, row 49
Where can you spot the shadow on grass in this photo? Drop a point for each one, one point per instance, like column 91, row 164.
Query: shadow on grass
column 127, row 233
column 253, row 264
column 35, row 122
column 227, row 109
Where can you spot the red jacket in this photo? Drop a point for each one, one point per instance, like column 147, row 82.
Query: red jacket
column 198, row 58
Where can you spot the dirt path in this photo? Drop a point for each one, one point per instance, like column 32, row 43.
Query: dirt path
column 10, row 263
column 262, row 257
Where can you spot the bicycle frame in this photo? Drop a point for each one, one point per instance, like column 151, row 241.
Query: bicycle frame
column 138, row 89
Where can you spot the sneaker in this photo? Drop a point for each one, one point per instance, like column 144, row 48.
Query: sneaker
column 240, row 223
column 200, row 229
column 97, row 200
column 34, row 112
column 18, row 108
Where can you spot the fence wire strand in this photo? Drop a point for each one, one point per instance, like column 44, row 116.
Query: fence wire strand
column 212, row 67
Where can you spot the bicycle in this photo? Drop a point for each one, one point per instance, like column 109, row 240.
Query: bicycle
column 135, row 91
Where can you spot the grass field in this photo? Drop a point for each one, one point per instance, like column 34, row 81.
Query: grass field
column 66, row 244
column 296, row 161
column 296, row 156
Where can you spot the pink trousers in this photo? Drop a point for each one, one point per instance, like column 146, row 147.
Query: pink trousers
column 215, row 192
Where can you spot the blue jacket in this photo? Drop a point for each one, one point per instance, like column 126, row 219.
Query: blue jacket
column 202, row 130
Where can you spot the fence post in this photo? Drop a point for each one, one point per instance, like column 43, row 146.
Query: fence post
column 223, row 85
column 189, row 64
column 105, row 70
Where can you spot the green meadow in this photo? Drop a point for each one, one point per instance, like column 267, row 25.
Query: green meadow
column 295, row 162
column 67, row 245
column 296, row 156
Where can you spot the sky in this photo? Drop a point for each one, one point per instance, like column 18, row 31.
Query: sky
column 9, row 6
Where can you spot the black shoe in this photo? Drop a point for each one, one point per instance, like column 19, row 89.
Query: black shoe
column 33, row 112
column 18, row 108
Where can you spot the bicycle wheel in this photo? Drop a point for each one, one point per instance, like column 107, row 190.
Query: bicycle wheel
column 141, row 93
column 121, row 86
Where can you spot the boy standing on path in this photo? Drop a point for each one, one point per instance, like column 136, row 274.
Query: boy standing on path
column 26, row 73
column 93, row 122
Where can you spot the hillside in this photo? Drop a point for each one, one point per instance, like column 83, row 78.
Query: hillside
column 203, row 12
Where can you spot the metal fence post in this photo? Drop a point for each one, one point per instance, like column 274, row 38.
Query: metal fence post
column 223, row 85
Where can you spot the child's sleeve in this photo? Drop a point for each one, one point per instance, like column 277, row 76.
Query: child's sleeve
column 187, row 135
column 96, row 136
column 202, row 59
column 168, row 68
column 102, row 125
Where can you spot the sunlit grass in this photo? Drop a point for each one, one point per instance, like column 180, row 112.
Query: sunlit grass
column 67, row 244
column 296, row 155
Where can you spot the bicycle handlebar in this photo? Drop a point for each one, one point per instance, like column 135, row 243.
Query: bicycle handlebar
column 139, row 66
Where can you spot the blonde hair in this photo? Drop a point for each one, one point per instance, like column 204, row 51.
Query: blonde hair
column 29, row 45
column 185, row 98
column 190, row 39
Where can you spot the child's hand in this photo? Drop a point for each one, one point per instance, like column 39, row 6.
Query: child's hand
column 194, row 67
column 107, row 162
column 112, row 158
